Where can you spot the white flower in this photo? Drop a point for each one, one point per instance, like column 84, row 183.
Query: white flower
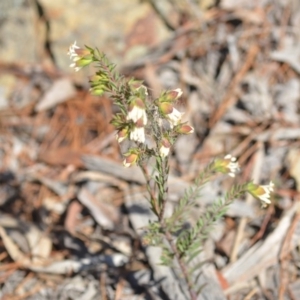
column 77, row 56
column 265, row 197
column 137, row 113
column 174, row 117
column 138, row 134
column 261, row 192
column 73, row 65
column 232, row 165
column 74, row 57
column 164, row 151
column 72, row 51
column 164, row 147
column 122, row 135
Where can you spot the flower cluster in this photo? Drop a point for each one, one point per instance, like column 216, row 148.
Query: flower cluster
column 138, row 114
column 133, row 125
column 261, row 192
column 227, row 165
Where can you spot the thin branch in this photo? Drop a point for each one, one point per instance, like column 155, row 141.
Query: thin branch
column 182, row 266
column 153, row 199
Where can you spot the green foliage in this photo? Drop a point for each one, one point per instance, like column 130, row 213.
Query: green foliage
column 187, row 202
column 167, row 256
column 139, row 115
column 191, row 240
column 153, row 236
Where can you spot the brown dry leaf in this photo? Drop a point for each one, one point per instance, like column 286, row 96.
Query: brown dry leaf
column 252, row 16
column 289, row 54
column 40, row 247
column 62, row 156
column 12, row 249
column 69, row 265
column 108, row 166
column 263, row 254
column 60, row 91
column 71, row 218
column 143, row 32
column 294, row 289
column 104, row 215
column 233, row 4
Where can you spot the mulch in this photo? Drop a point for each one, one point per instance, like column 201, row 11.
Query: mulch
column 72, row 216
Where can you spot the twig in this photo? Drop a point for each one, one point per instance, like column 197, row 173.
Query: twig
column 161, row 15
column 263, row 226
column 153, row 200
column 285, row 250
column 230, row 97
column 249, row 200
column 163, row 194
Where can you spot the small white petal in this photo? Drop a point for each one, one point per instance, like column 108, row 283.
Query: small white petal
column 265, row 198
column 72, row 49
column 138, row 134
column 136, row 114
column 164, row 151
column 174, row 117
column 179, row 91
column 126, row 164
column 120, row 139
column 233, row 166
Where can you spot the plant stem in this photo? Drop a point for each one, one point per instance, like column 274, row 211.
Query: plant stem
column 182, row 266
column 158, row 206
column 164, row 187
column 153, row 200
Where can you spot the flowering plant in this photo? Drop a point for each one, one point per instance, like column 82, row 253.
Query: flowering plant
column 152, row 128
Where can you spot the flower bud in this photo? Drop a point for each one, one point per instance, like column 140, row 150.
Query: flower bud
column 165, row 108
column 131, row 158
column 184, row 129
column 138, row 86
column 97, row 90
column 164, row 148
column 143, row 90
column 122, row 135
column 95, row 80
column 170, row 113
column 81, row 62
column 173, row 95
